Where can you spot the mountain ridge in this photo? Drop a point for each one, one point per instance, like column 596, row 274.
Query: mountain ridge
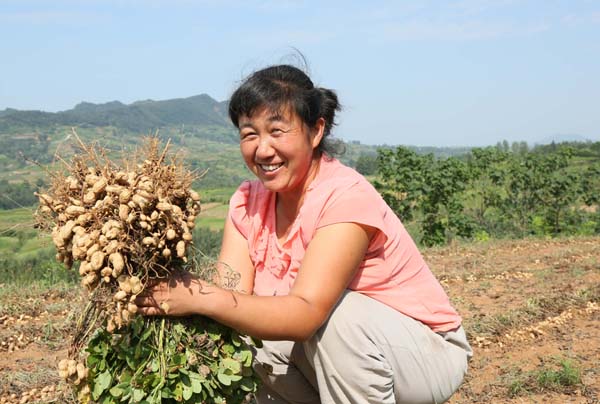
column 139, row 116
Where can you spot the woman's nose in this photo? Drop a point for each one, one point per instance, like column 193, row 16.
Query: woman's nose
column 265, row 148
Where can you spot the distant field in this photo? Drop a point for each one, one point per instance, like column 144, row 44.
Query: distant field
column 16, row 219
column 213, row 216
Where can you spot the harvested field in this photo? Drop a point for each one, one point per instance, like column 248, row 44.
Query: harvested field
column 531, row 309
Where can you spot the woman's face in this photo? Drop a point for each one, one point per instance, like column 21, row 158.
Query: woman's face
column 279, row 149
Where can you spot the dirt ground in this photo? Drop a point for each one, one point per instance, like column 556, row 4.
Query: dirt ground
column 531, row 309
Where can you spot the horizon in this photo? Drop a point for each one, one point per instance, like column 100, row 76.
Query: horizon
column 451, row 73
column 558, row 138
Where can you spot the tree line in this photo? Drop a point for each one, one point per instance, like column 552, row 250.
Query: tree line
column 494, row 192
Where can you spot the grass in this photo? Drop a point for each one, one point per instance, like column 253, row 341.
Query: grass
column 557, row 375
column 8, row 243
column 567, row 375
column 39, row 269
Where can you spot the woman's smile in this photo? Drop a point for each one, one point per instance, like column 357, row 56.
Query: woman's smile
column 270, row 168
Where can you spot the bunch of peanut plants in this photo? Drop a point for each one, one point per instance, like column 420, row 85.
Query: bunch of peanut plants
column 125, row 226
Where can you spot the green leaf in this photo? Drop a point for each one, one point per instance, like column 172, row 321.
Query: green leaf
column 248, row 385
column 92, row 360
column 116, row 391
column 246, row 358
column 146, row 334
column 166, row 392
column 137, row 395
column 196, row 376
column 236, row 340
column 231, row 364
column 101, row 383
column 228, row 349
column 235, row 378
column 209, row 388
column 178, row 391
column 196, row 385
column 187, row 392
column 132, row 362
column 107, row 400
column 179, row 359
column 224, row 379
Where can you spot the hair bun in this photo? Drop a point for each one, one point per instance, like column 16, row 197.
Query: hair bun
column 329, row 105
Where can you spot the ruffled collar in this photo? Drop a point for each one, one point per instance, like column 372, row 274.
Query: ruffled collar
column 279, row 257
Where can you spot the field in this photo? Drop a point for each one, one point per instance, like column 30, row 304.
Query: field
column 531, row 309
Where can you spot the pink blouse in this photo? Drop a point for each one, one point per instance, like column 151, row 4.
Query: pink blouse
column 392, row 272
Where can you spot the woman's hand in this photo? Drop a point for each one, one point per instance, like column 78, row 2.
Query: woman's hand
column 178, row 296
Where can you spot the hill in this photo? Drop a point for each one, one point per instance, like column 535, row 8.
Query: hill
column 140, row 116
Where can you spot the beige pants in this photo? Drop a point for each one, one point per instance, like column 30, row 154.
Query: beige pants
column 366, row 352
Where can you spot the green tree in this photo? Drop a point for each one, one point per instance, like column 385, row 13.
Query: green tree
column 434, row 188
column 399, row 180
column 366, row 164
column 444, row 182
column 560, row 188
column 487, row 171
column 590, row 185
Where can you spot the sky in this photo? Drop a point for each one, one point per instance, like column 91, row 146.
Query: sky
column 426, row 73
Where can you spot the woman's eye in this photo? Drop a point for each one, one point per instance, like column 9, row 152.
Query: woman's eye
column 245, row 135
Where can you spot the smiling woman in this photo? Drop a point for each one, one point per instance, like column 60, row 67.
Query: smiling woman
column 329, row 278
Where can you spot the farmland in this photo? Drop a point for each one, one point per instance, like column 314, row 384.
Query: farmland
column 530, row 307
column 530, row 304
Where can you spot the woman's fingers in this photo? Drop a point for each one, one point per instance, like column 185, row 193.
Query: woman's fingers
column 148, row 300
column 157, row 284
column 151, row 311
column 152, row 305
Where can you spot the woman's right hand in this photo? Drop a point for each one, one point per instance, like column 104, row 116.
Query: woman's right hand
column 179, row 295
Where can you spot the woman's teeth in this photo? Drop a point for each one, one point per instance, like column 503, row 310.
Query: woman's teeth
column 270, row 167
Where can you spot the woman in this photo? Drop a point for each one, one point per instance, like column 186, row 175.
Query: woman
column 329, row 278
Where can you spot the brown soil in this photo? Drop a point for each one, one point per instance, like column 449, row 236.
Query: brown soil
column 527, row 306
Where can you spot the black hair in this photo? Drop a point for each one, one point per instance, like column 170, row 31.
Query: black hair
column 282, row 86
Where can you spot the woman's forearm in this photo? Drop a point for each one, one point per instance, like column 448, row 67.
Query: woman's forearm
column 267, row 317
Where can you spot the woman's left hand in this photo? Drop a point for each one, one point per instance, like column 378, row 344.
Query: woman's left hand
column 179, row 295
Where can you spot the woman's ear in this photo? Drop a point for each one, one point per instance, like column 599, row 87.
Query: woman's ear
column 317, row 132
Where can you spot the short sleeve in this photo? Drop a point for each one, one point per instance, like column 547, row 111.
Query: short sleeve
column 238, row 209
column 359, row 203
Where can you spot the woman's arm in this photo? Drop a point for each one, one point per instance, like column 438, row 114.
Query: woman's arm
column 234, row 260
column 329, row 264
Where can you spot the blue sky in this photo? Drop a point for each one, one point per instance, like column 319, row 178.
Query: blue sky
column 435, row 73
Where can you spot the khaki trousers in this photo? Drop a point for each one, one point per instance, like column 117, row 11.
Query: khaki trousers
column 366, row 352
